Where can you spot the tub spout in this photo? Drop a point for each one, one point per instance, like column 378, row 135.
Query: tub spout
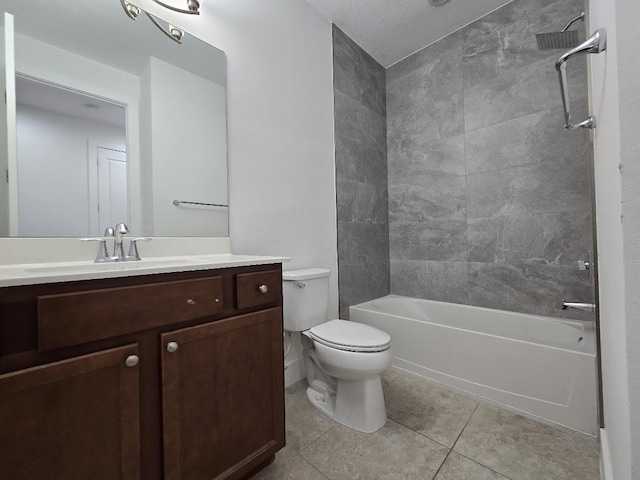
column 586, row 307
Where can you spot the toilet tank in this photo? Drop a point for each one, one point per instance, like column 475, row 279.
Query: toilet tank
column 306, row 297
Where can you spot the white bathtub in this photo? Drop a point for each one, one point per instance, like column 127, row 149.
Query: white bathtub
column 541, row 366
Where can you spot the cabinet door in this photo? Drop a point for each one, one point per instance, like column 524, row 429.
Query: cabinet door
column 223, row 399
column 72, row 420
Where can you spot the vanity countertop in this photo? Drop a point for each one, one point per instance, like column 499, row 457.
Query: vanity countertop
column 37, row 273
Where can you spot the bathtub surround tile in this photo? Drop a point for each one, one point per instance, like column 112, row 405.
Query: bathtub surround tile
column 529, row 288
column 362, row 282
column 361, row 174
column 362, row 202
column 457, row 467
column 483, row 105
column 432, row 240
column 442, row 199
column 359, row 123
column 303, row 423
column 399, row 452
column 416, row 162
column 505, row 74
column 428, row 408
column 357, row 74
column 360, row 162
column 530, row 140
column 444, row 281
column 504, row 41
column 520, row 448
column 426, row 103
column 544, row 188
column 546, row 239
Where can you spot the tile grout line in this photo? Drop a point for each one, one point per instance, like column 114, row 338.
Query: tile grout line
column 465, row 425
column 481, row 464
column 471, row 459
column 314, row 441
column 441, row 465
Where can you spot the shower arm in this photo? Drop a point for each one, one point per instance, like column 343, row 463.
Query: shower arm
column 596, row 43
column 573, row 20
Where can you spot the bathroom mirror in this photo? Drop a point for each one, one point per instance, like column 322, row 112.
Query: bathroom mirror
column 109, row 120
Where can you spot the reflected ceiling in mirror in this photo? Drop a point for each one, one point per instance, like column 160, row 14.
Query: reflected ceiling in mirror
column 112, row 119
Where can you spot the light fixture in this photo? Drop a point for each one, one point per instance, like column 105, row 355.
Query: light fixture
column 193, row 7
column 174, row 33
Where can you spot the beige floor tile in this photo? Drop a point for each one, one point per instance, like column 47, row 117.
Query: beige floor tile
column 388, row 376
column 304, row 424
column 392, row 453
column 297, row 468
column 522, row 449
column 428, row 408
column 284, row 456
column 457, row 467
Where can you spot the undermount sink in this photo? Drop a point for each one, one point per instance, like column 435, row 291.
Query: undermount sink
column 110, row 266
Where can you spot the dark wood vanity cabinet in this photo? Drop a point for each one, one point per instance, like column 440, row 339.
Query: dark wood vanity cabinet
column 174, row 376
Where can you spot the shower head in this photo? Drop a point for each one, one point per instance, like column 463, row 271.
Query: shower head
column 565, row 40
column 562, row 39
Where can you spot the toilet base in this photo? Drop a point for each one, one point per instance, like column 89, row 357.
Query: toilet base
column 356, row 404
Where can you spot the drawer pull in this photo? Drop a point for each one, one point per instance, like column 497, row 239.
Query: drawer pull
column 132, row 361
column 172, row 347
column 191, row 301
column 217, row 300
column 263, row 288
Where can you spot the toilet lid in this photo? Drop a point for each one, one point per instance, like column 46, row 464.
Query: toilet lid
column 351, row 336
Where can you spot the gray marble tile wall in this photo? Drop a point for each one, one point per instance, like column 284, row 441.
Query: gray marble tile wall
column 489, row 197
column 361, row 174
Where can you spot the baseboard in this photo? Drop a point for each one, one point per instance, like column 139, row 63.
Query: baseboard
column 606, row 467
column 293, row 372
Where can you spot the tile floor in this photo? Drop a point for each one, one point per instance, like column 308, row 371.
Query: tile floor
column 432, row 433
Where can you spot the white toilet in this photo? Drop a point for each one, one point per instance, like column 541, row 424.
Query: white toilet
column 343, row 359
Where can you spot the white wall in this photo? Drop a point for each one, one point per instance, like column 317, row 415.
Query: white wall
column 280, row 126
column 187, row 151
column 615, row 101
column 53, row 171
column 627, row 15
column 4, row 147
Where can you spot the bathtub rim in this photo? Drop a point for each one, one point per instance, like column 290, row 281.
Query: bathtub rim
column 587, row 327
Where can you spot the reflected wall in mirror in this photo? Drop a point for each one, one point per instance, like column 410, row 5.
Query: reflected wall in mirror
column 108, row 120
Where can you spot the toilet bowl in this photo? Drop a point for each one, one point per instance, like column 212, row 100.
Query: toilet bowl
column 353, row 396
column 343, row 359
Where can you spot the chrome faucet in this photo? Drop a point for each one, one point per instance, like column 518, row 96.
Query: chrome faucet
column 118, row 249
column 585, row 307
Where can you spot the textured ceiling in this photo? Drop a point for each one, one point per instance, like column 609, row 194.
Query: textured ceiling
column 390, row 30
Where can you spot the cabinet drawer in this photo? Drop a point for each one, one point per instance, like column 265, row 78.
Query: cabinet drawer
column 77, row 318
column 260, row 288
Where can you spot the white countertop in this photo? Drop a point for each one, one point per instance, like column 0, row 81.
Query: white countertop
column 52, row 272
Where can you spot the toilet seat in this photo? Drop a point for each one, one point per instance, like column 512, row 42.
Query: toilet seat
column 350, row 336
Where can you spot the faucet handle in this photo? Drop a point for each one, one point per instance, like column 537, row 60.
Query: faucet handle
column 103, row 253
column 109, row 232
column 133, row 247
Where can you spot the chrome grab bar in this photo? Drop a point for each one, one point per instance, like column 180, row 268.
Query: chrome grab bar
column 596, row 43
column 178, row 203
column 586, row 307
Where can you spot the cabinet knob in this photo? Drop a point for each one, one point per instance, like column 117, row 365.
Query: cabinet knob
column 191, row 301
column 263, row 288
column 132, row 361
column 172, row 347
